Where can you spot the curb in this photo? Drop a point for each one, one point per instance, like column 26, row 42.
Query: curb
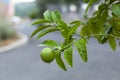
column 23, row 40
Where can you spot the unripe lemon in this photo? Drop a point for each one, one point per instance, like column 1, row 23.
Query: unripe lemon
column 47, row 55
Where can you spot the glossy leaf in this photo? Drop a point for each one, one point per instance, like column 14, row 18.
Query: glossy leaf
column 47, row 15
column 58, row 15
column 75, row 22
column 68, row 56
column 81, row 47
column 54, row 17
column 46, row 32
column 112, row 43
column 63, row 27
column 50, row 43
column 40, row 21
column 60, row 62
column 73, row 29
column 38, row 30
column 116, row 9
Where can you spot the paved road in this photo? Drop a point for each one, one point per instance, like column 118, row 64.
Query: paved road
column 23, row 63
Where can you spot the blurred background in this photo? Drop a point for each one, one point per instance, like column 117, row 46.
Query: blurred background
column 19, row 54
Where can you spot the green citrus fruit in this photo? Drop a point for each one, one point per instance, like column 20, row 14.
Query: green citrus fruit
column 47, row 55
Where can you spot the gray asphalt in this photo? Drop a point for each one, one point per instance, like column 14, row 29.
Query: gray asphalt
column 24, row 63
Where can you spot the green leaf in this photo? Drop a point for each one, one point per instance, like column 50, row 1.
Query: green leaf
column 81, row 47
column 103, row 39
column 104, row 16
column 107, row 30
column 75, row 22
column 73, row 29
column 102, row 8
column 46, row 32
column 50, row 43
column 60, row 62
column 63, row 27
column 58, row 15
column 95, row 25
column 40, row 21
column 116, row 9
column 89, row 5
column 55, row 16
column 68, row 56
column 85, row 31
column 38, row 30
column 112, row 43
column 86, row 1
column 48, row 15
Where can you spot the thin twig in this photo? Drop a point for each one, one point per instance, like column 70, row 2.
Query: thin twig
column 93, row 35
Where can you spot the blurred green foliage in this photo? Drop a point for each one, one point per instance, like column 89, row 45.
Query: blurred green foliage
column 25, row 9
column 34, row 14
column 6, row 30
column 41, row 4
column 72, row 1
column 36, row 9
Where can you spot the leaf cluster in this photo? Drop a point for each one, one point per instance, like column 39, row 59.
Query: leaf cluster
column 53, row 22
column 103, row 25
